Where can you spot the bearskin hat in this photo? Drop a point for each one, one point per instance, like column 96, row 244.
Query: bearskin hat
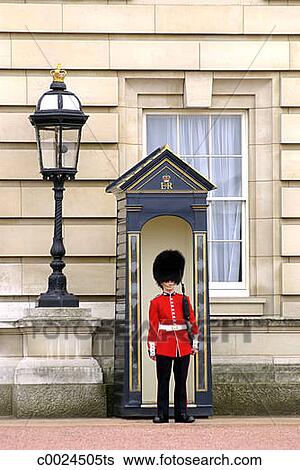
column 168, row 266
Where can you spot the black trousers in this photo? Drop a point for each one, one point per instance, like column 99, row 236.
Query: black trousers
column 163, row 372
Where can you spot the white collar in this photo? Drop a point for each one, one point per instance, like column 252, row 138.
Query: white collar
column 169, row 293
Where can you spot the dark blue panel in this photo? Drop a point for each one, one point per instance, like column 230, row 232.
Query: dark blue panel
column 185, row 205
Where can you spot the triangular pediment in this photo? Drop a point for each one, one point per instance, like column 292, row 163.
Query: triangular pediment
column 161, row 171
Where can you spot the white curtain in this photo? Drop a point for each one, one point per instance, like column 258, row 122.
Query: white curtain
column 193, row 141
column 226, row 217
column 225, row 255
column 161, row 130
column 226, row 135
column 212, row 145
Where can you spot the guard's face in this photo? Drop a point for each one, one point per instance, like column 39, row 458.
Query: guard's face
column 168, row 286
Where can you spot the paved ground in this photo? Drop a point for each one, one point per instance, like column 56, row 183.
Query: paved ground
column 106, row 434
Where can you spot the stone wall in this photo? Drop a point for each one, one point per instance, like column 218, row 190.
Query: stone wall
column 57, row 365
column 255, row 369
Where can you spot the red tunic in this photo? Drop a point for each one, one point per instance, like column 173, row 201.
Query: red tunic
column 167, row 309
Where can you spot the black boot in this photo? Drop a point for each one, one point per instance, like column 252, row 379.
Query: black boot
column 184, row 418
column 160, row 419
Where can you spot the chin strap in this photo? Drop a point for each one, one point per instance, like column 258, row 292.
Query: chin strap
column 182, row 288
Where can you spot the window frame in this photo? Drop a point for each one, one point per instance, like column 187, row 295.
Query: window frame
column 221, row 289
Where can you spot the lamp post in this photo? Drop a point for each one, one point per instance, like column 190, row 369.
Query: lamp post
column 58, row 120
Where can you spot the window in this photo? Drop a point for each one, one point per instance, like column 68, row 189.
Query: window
column 214, row 144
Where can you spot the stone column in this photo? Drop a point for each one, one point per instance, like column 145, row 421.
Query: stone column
column 58, row 377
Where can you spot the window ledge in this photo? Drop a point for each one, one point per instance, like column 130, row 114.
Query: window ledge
column 238, row 300
column 237, row 306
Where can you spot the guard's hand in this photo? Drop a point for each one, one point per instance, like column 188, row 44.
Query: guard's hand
column 195, row 351
column 153, row 357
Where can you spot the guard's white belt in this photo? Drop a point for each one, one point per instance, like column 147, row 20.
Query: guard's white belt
column 172, row 327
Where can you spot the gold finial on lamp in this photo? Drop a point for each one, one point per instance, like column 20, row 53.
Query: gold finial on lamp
column 58, row 74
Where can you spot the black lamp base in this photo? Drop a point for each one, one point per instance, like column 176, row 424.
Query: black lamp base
column 57, row 299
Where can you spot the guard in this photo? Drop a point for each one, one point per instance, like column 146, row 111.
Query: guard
column 172, row 337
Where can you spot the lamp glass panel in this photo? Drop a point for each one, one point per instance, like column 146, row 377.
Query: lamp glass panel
column 49, row 102
column 70, row 102
column 49, row 147
column 69, row 148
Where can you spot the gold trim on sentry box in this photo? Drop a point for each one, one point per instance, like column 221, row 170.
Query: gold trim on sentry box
column 138, row 310
column 203, row 236
column 138, row 388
